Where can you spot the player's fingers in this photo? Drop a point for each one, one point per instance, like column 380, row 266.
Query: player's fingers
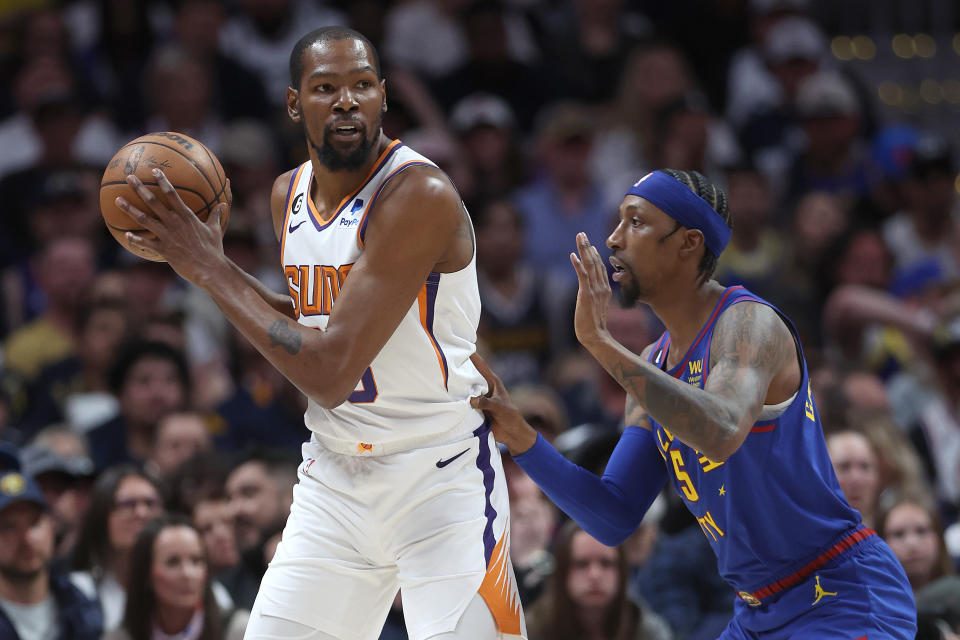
column 149, row 197
column 215, row 219
column 578, row 267
column 590, row 258
column 599, row 270
column 137, row 240
column 168, row 193
column 493, row 382
column 146, row 221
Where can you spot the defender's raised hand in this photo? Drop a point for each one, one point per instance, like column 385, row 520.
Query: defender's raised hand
column 194, row 249
column 593, row 296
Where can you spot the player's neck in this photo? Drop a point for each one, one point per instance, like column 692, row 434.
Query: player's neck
column 331, row 187
column 684, row 315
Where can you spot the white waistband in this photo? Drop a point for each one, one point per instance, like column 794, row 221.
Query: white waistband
column 461, row 431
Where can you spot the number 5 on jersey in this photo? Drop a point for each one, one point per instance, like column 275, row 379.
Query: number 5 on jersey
column 682, row 476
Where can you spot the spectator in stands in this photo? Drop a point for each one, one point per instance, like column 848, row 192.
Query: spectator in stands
column 36, row 603
column 516, row 326
column 911, row 526
column 856, row 465
column 180, row 436
column 66, row 482
column 587, row 594
column 170, row 593
column 75, row 389
column 260, row 490
column 124, row 500
column 212, row 517
column 927, row 228
column 533, row 522
column 150, row 379
column 65, row 270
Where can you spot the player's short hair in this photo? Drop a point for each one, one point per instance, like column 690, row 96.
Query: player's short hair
column 716, row 198
column 327, row 34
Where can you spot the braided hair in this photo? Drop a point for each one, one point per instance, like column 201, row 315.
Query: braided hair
column 716, row 198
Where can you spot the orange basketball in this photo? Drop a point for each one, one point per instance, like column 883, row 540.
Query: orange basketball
column 189, row 166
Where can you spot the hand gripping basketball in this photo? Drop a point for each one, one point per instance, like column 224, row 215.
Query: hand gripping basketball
column 193, row 248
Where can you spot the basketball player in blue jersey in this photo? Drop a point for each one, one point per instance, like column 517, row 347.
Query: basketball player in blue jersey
column 720, row 406
column 401, row 484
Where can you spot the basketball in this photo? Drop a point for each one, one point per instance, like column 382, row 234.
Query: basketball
column 189, row 166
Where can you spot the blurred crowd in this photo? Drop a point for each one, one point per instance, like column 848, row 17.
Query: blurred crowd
column 144, row 445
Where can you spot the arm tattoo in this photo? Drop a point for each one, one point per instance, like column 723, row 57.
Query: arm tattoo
column 281, row 334
column 750, row 345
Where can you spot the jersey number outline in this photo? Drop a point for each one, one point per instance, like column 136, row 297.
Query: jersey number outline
column 368, row 391
column 688, row 489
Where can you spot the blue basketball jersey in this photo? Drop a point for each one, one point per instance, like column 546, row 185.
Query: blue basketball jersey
column 774, row 509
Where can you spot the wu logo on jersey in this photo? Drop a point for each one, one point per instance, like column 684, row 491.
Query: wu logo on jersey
column 696, row 367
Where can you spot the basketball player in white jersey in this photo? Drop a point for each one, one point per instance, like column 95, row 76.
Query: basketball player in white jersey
column 401, row 483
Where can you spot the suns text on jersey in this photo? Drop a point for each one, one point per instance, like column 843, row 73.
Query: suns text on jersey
column 314, row 288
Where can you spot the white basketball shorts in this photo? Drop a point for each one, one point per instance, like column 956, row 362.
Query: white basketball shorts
column 432, row 521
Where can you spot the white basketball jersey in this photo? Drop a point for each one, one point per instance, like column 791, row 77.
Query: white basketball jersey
column 418, row 388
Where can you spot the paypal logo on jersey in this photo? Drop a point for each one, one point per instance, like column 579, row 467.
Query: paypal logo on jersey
column 354, row 221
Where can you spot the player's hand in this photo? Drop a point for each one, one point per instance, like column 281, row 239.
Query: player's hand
column 593, row 296
column 193, row 248
column 507, row 422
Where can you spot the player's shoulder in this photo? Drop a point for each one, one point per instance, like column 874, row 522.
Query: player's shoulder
column 751, row 315
column 282, row 184
column 425, row 185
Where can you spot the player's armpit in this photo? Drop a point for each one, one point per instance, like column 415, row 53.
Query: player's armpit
column 409, row 229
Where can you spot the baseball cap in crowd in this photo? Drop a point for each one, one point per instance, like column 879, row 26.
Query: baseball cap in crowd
column 16, row 487
column 932, row 155
column 826, row 93
column 479, row 109
column 794, row 37
column 38, row 460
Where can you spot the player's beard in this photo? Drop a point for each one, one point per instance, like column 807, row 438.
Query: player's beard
column 352, row 160
column 630, row 291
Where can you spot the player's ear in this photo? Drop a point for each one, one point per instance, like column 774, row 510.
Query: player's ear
column 293, row 104
column 383, row 90
column 692, row 241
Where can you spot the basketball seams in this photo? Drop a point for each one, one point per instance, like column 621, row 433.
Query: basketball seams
column 216, row 165
column 192, row 162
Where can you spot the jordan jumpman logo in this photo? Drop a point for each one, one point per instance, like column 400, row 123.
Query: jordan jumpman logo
column 819, row 592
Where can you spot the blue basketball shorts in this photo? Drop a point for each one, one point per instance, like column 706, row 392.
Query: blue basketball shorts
column 863, row 594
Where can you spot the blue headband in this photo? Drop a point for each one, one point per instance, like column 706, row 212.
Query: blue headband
column 684, row 206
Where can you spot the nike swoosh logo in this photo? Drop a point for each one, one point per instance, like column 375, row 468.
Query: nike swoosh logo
column 442, row 463
column 294, row 227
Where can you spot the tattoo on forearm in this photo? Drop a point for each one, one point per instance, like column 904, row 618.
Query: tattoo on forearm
column 748, row 348
column 283, row 335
